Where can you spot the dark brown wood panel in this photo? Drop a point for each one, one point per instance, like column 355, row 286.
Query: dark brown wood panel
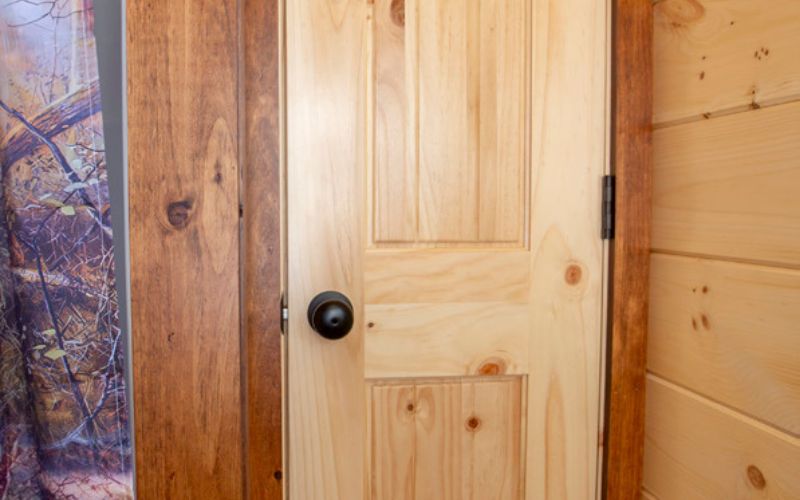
column 183, row 117
column 632, row 160
column 261, row 272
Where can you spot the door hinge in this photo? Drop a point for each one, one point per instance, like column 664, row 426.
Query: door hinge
column 284, row 315
column 609, row 206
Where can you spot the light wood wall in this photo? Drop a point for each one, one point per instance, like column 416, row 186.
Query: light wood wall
column 723, row 392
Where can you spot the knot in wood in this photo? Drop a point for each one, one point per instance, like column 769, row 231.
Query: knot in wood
column 178, row 213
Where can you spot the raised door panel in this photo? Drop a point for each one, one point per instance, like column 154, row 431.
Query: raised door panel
column 455, row 439
column 450, row 100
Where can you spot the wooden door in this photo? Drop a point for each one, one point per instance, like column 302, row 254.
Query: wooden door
column 444, row 162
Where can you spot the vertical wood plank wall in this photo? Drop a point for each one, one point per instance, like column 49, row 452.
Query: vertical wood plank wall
column 205, row 235
column 184, row 235
column 186, row 145
column 723, row 389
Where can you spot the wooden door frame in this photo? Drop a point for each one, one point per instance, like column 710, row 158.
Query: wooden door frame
column 258, row 202
column 631, row 156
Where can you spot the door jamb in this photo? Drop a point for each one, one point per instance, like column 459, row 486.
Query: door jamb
column 261, row 274
column 632, row 102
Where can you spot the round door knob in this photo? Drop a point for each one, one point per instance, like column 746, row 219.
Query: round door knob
column 331, row 315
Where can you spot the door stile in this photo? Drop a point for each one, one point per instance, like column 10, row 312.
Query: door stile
column 325, row 106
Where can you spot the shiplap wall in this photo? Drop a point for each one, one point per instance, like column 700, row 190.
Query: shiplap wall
column 723, row 400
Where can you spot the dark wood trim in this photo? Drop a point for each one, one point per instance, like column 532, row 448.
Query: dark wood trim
column 184, row 178
column 261, row 231
column 632, row 96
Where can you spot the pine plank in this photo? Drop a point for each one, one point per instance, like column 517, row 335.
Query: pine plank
column 450, row 339
column 696, row 450
column 183, row 101
column 730, row 332
column 447, row 440
column 326, row 53
column 398, row 277
column 568, row 143
column 723, row 55
column 728, row 186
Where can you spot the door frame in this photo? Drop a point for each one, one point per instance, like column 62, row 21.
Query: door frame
column 631, row 163
column 257, row 102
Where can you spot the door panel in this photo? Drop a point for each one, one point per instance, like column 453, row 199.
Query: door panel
column 449, row 107
column 446, row 440
column 444, row 165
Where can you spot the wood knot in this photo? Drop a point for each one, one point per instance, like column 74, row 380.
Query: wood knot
column 473, row 424
column 756, row 477
column 681, row 13
column 370, row 324
column 494, row 366
column 397, row 11
column 278, row 475
column 573, row 274
column 410, row 407
column 178, row 213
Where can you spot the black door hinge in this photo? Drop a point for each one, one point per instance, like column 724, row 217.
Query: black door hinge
column 609, row 206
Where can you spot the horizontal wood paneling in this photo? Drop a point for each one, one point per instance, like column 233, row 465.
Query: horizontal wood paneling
column 729, row 186
column 713, row 55
column 698, row 450
column 729, row 331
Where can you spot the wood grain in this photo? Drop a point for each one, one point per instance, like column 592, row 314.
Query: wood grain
column 261, row 277
column 447, row 440
column 569, row 132
column 184, row 239
column 450, row 104
column 448, row 120
column 727, row 186
column 467, row 296
column 697, row 450
column 717, row 56
column 646, row 495
column 632, row 96
column 326, row 53
column 395, row 177
column 393, row 277
column 728, row 331
column 450, row 339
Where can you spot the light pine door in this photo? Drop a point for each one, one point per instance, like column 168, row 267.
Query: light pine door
column 444, row 161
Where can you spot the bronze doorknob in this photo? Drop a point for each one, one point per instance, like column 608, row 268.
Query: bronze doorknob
column 331, row 315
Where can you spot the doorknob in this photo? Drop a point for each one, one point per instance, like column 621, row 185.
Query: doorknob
column 331, row 315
